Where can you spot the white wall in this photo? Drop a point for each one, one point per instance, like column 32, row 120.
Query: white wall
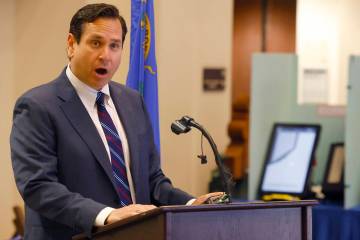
column 349, row 43
column 8, row 192
column 318, row 26
column 328, row 32
column 190, row 35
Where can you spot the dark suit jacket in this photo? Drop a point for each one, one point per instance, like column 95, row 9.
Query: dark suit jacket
column 61, row 166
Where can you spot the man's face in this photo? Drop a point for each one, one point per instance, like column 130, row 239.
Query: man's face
column 97, row 56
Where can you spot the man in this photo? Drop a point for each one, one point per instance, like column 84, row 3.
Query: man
column 82, row 146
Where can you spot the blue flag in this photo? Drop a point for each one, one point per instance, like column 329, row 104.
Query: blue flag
column 142, row 74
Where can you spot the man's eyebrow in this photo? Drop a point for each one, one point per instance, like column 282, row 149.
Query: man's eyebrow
column 116, row 40
column 96, row 37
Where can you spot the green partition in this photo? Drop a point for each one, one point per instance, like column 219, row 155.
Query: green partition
column 352, row 149
column 273, row 99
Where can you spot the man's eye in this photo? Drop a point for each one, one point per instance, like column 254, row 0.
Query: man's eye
column 95, row 43
column 114, row 46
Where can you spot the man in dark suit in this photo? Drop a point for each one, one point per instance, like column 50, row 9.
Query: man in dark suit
column 82, row 146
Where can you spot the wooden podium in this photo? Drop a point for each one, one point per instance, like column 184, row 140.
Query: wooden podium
column 245, row 221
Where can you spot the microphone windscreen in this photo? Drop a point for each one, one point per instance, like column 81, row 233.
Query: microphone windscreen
column 177, row 127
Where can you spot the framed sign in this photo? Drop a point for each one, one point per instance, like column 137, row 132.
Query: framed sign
column 213, row 79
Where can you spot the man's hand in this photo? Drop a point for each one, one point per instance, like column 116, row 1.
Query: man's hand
column 128, row 211
column 202, row 199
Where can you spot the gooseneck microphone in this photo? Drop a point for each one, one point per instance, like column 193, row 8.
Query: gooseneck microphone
column 184, row 125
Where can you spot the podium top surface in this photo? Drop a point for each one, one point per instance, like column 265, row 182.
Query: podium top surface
column 201, row 208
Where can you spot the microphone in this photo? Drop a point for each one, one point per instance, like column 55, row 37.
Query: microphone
column 184, row 125
column 181, row 126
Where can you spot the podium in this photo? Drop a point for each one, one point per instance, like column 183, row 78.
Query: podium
column 245, row 221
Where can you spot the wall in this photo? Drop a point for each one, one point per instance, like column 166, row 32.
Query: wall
column 188, row 41
column 33, row 52
column 352, row 150
column 327, row 33
column 7, row 56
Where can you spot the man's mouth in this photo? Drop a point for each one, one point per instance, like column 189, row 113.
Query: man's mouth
column 101, row 71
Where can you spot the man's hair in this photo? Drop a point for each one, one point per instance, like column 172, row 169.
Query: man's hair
column 90, row 13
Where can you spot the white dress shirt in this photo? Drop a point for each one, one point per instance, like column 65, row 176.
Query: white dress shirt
column 88, row 98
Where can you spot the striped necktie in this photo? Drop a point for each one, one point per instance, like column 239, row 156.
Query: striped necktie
column 116, row 151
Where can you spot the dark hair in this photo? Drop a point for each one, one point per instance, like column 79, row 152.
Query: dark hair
column 90, row 13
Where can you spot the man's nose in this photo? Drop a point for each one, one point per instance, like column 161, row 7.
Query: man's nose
column 104, row 54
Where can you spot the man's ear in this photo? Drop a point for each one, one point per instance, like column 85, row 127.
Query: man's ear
column 71, row 44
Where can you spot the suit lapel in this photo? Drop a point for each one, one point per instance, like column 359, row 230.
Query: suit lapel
column 76, row 113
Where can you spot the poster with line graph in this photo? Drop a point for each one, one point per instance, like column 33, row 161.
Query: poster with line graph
column 289, row 158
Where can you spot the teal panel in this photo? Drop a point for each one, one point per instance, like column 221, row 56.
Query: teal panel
column 352, row 149
column 273, row 99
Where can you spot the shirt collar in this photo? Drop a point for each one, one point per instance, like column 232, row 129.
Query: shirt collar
column 84, row 91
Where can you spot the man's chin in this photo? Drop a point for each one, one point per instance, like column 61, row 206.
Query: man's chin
column 99, row 83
